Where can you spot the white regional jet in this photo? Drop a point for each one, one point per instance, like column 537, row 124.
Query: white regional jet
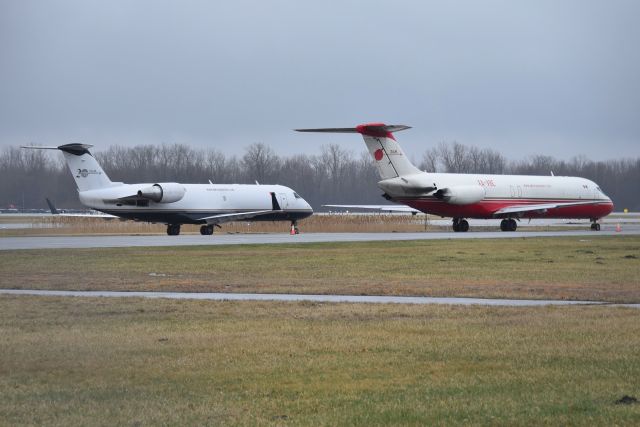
column 463, row 196
column 175, row 204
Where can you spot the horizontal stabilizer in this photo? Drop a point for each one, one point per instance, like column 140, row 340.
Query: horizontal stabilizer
column 371, row 129
column 77, row 149
column 39, row 147
column 330, row 130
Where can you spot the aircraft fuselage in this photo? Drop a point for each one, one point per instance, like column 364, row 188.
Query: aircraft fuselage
column 199, row 201
column 501, row 191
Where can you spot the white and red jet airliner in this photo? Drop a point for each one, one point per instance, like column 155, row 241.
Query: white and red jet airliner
column 461, row 196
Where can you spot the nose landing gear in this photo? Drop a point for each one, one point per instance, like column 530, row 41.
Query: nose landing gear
column 594, row 225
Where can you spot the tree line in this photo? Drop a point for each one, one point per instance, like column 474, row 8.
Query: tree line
column 335, row 176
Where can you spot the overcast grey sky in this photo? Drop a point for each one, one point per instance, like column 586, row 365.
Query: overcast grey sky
column 524, row 77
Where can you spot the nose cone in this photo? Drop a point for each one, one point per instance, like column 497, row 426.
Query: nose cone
column 298, row 208
column 302, row 209
column 603, row 207
column 307, row 208
column 609, row 207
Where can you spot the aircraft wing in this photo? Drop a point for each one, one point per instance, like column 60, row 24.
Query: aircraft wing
column 219, row 219
column 55, row 212
column 381, row 208
column 96, row 215
column 540, row 208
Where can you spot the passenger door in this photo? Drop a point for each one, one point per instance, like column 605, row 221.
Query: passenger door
column 283, row 201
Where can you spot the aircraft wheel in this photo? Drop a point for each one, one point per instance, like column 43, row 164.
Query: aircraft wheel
column 173, row 229
column 463, row 225
column 595, row 226
column 508, row 225
column 206, row 230
column 456, row 224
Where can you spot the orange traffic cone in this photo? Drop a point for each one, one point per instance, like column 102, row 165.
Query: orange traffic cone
column 618, row 228
column 293, row 230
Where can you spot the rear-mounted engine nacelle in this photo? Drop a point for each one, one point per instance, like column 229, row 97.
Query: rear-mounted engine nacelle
column 165, row 192
column 461, row 194
column 407, row 185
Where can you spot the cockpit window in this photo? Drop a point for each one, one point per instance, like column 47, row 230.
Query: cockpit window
column 296, row 195
column 598, row 188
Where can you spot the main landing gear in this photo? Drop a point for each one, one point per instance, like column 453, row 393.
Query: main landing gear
column 173, row 229
column 206, row 230
column 460, row 225
column 508, row 224
column 594, row 225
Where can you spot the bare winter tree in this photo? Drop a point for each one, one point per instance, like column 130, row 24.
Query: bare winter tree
column 334, row 176
column 458, row 158
column 297, row 172
column 338, row 164
column 455, row 157
column 495, row 162
column 261, row 163
column 430, row 160
column 27, row 176
column 222, row 169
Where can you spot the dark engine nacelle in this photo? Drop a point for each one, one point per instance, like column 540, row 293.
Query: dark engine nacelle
column 461, row 194
column 164, row 192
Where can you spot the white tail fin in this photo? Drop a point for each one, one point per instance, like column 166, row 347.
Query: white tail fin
column 83, row 166
column 390, row 159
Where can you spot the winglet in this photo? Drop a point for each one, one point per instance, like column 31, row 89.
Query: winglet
column 53, row 209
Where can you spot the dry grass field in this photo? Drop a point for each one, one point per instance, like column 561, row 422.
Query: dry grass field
column 91, row 361
column 594, row 268
column 100, row 361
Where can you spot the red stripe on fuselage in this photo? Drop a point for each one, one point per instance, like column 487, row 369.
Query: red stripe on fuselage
column 485, row 208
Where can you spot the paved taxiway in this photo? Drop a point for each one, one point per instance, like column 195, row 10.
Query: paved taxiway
column 65, row 242
column 312, row 298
